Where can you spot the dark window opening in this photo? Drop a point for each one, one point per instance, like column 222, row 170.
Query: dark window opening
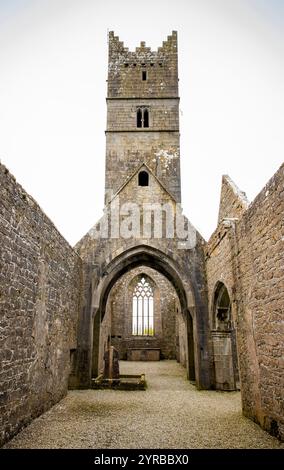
column 146, row 118
column 222, row 307
column 143, row 178
column 152, row 65
column 222, row 313
column 134, row 65
column 144, row 75
column 125, row 65
column 139, row 117
column 142, row 117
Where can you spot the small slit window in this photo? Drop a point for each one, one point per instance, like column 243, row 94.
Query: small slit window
column 146, row 117
column 139, row 117
column 143, row 178
column 144, row 75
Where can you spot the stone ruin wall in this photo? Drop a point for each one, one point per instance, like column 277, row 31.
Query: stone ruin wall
column 39, row 306
column 40, row 282
column 260, row 286
column 248, row 257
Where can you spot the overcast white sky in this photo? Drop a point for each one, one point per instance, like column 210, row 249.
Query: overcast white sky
column 53, row 70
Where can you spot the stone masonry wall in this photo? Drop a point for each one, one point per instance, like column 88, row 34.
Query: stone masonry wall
column 39, row 306
column 220, row 264
column 247, row 255
column 126, row 151
column 260, row 287
column 125, row 69
column 233, row 202
column 163, row 114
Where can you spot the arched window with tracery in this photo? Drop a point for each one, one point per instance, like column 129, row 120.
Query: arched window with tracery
column 143, row 309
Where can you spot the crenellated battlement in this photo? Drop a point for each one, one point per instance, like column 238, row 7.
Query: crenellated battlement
column 125, row 69
column 117, row 46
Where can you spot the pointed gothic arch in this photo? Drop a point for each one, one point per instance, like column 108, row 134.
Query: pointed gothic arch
column 221, row 308
column 224, row 340
column 159, row 261
column 143, row 306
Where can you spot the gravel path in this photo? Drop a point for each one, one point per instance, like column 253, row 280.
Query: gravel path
column 171, row 413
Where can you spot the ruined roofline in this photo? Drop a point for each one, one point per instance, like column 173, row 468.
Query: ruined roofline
column 233, row 201
column 237, row 191
column 30, row 201
column 115, row 45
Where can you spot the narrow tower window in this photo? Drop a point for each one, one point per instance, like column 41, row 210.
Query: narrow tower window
column 139, row 117
column 146, row 117
column 143, row 178
column 144, row 75
column 143, row 309
column 142, row 117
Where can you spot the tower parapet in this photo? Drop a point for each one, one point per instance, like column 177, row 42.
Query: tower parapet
column 126, row 67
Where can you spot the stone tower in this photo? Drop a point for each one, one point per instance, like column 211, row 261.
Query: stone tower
column 142, row 114
column 138, row 240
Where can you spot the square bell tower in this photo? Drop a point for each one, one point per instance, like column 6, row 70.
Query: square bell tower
column 142, row 114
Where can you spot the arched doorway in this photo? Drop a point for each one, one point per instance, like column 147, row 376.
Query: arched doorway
column 143, row 318
column 141, row 258
column 224, row 340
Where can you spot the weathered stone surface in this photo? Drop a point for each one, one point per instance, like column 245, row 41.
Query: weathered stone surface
column 247, row 255
column 126, row 145
column 111, row 364
column 39, row 303
column 260, row 287
column 233, row 202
